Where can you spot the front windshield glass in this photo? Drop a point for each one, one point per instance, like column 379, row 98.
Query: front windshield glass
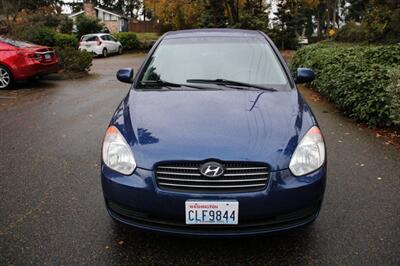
column 243, row 59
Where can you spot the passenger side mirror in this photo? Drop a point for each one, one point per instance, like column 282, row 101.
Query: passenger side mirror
column 125, row 75
column 304, row 75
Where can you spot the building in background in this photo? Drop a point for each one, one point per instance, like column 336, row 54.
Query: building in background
column 112, row 20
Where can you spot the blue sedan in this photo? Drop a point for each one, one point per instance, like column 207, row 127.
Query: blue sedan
column 214, row 139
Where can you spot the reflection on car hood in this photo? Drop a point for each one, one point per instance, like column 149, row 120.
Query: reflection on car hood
column 226, row 125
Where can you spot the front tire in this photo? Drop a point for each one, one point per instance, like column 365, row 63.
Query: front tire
column 5, row 78
column 120, row 50
column 104, row 53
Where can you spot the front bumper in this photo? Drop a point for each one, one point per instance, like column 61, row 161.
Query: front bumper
column 287, row 202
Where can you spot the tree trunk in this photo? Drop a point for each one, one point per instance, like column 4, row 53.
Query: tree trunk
column 334, row 10
column 319, row 26
column 232, row 8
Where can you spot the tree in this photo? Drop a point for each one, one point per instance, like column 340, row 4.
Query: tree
column 355, row 9
column 129, row 8
column 66, row 25
column 291, row 19
column 12, row 7
column 254, row 15
column 87, row 25
column 174, row 15
column 377, row 21
column 213, row 15
column 382, row 21
column 232, row 9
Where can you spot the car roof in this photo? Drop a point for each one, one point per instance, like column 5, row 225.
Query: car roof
column 96, row 34
column 212, row 33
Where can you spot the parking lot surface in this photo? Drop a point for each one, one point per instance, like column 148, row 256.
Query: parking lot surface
column 52, row 209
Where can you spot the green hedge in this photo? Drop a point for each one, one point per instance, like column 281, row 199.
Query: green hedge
column 65, row 40
column 364, row 81
column 43, row 35
column 128, row 40
column 39, row 35
column 73, row 60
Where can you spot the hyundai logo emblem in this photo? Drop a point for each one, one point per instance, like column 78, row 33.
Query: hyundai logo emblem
column 212, row 169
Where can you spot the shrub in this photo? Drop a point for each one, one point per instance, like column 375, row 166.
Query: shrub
column 87, row 25
column 146, row 45
column 394, row 89
column 75, row 61
column 44, row 36
column 147, row 39
column 128, row 40
column 66, row 25
column 352, row 32
column 362, row 80
column 147, row 36
column 40, row 35
column 65, row 40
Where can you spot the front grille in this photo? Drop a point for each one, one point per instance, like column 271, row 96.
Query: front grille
column 238, row 177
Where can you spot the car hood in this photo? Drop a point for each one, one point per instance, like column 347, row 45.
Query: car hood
column 228, row 125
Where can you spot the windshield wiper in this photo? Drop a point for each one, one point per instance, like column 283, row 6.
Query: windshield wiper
column 226, row 82
column 159, row 83
column 163, row 83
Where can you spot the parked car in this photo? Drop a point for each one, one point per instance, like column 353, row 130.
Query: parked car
column 214, row 139
column 100, row 44
column 22, row 61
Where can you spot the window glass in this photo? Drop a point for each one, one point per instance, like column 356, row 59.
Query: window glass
column 244, row 59
column 89, row 38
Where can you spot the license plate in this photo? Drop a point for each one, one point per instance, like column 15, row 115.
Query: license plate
column 211, row 212
column 47, row 56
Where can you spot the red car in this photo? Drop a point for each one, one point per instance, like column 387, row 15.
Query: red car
column 22, row 61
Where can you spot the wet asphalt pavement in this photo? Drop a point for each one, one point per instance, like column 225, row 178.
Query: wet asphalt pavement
column 52, row 210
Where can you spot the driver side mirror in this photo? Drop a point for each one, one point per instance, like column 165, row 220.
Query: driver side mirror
column 125, row 75
column 304, row 75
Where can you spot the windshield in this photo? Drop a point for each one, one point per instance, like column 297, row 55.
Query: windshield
column 89, row 38
column 243, row 59
column 15, row 43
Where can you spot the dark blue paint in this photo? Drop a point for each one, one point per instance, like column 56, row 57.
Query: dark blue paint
column 196, row 125
column 304, row 75
column 226, row 125
column 125, row 75
column 285, row 193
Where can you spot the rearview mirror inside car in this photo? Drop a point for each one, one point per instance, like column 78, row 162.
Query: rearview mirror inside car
column 304, row 75
column 125, row 75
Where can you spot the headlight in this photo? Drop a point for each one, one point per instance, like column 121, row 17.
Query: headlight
column 117, row 154
column 309, row 154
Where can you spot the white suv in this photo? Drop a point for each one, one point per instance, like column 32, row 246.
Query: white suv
column 100, row 44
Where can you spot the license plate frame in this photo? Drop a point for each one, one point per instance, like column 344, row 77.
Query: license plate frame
column 212, row 212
